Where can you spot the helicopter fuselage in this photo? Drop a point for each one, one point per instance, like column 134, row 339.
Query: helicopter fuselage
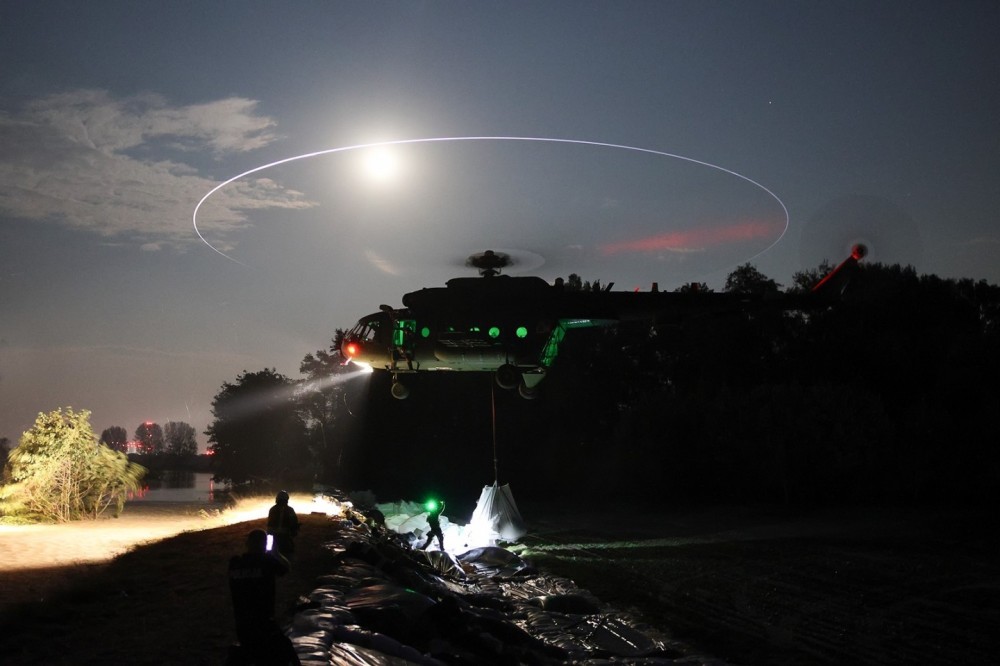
column 513, row 326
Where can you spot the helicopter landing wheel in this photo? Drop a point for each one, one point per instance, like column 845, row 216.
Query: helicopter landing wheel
column 399, row 390
column 527, row 393
column 508, row 376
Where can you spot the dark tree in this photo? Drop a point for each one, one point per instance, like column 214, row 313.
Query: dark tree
column 693, row 287
column 115, row 438
column 180, row 439
column 150, row 438
column 4, row 454
column 329, row 399
column 258, row 434
column 888, row 394
column 804, row 280
column 746, row 279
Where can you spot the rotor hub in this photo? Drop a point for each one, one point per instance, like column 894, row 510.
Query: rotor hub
column 489, row 263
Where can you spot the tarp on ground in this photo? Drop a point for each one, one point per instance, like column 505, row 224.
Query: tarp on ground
column 386, row 604
column 496, row 516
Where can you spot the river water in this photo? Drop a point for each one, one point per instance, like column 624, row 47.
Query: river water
column 178, row 486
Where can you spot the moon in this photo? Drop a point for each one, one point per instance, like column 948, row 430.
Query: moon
column 381, row 165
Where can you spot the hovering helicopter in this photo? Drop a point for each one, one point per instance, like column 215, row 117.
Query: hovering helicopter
column 513, row 326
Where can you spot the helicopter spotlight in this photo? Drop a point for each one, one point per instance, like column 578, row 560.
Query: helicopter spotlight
column 513, row 326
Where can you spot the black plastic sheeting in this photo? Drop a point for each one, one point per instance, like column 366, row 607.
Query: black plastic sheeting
column 386, row 604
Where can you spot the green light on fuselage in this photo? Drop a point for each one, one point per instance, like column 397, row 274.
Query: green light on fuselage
column 494, row 332
column 521, row 332
column 551, row 348
column 402, row 326
column 425, row 332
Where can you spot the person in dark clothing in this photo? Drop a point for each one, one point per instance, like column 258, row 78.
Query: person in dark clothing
column 434, row 511
column 376, row 518
column 283, row 524
column 252, row 587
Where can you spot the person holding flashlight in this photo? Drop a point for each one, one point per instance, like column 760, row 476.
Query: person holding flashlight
column 434, row 511
column 252, row 587
column 283, row 524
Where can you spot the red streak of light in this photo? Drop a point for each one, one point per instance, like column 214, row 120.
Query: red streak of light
column 696, row 239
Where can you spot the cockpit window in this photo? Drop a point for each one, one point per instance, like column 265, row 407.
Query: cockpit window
column 365, row 330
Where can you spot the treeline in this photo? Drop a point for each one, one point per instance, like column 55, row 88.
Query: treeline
column 176, row 438
column 170, row 447
column 889, row 396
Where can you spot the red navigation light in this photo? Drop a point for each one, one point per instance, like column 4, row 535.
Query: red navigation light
column 352, row 349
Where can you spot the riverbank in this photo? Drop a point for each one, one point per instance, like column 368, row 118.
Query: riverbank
column 164, row 602
column 747, row 586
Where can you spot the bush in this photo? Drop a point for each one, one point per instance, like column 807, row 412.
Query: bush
column 60, row 471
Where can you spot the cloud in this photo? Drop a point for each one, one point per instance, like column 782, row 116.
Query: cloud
column 87, row 160
column 981, row 241
column 381, row 263
column 94, row 119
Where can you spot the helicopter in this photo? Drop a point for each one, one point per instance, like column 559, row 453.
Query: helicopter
column 513, row 326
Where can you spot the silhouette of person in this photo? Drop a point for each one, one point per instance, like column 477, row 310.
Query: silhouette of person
column 435, row 509
column 252, row 587
column 283, row 524
column 377, row 518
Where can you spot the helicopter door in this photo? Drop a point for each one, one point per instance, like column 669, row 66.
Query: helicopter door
column 403, row 337
column 470, row 348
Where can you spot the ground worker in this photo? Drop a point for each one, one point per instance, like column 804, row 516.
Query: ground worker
column 252, row 587
column 434, row 511
column 283, row 524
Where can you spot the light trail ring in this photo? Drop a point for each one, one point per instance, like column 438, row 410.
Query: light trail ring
column 361, row 146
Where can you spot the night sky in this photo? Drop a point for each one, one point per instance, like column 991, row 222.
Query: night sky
column 773, row 132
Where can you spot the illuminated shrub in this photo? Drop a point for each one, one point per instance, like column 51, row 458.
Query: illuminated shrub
column 60, row 472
